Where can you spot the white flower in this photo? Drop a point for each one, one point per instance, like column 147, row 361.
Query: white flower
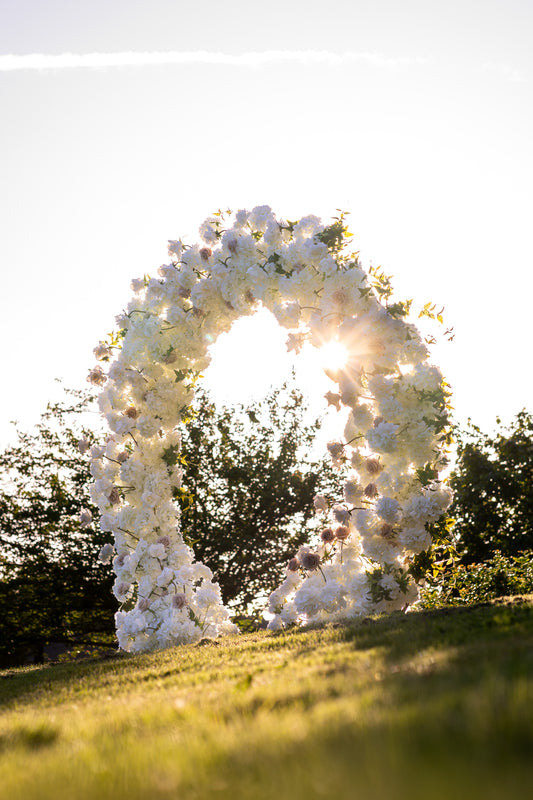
column 335, row 449
column 150, row 499
column 108, row 522
column 207, row 595
column 390, row 585
column 308, row 226
column 137, row 285
column 295, row 341
column 331, row 595
column 208, row 230
column 288, row 315
column 165, row 577
column 83, row 445
column 259, row 217
column 307, row 599
column 106, row 553
column 276, row 623
column 388, row 509
column 97, row 376
column 428, row 505
column 333, row 399
column 289, row 615
column 415, row 540
column 157, row 550
column 122, row 590
column 352, row 492
column 273, row 236
column 241, row 217
column 148, row 425
column 175, row 248
column 383, row 438
column 341, row 514
column 86, row 517
column 320, row 502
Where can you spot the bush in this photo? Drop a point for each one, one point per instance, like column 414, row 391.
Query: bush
column 493, row 500
column 468, row 584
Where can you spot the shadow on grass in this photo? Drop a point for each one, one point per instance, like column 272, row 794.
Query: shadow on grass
column 24, row 682
column 437, row 758
column 432, row 704
column 452, row 717
column 29, row 737
column 506, row 629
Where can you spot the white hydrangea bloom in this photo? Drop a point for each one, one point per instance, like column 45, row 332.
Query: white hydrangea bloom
column 383, row 438
column 388, row 509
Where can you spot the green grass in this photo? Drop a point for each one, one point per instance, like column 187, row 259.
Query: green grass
column 429, row 705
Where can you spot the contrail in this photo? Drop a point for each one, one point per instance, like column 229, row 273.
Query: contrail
column 45, row 61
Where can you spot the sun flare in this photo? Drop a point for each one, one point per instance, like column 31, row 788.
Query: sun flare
column 333, row 355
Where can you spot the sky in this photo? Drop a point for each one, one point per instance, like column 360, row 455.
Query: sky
column 126, row 123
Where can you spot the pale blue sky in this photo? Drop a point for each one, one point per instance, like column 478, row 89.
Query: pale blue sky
column 452, row 30
column 423, row 132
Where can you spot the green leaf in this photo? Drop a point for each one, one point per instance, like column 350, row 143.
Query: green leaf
column 171, row 455
column 427, row 474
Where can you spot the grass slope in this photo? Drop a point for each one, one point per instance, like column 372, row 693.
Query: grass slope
column 426, row 705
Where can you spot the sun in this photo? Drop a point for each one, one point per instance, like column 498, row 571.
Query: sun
column 332, row 355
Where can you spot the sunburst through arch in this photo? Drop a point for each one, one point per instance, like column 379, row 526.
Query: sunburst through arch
column 388, row 456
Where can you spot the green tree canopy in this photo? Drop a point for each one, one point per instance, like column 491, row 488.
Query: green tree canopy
column 248, row 487
column 52, row 586
column 493, row 486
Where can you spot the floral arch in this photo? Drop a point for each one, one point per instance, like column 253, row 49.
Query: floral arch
column 389, row 455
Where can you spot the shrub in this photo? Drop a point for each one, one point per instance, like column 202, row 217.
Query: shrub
column 467, row 584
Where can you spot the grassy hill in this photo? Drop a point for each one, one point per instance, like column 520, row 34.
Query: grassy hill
column 426, row 705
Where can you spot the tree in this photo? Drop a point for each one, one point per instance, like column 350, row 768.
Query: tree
column 248, row 488
column 492, row 482
column 52, row 585
column 249, row 483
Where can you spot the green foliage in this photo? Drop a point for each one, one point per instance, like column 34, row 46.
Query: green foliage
column 483, row 546
column 499, row 576
column 334, row 236
column 248, row 487
column 435, row 565
column 381, row 286
column 492, row 483
column 426, row 474
column 52, row 587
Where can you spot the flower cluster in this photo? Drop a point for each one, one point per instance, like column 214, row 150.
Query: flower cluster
column 388, row 458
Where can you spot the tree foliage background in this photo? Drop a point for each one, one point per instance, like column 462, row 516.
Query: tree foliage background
column 52, row 586
column 493, row 490
column 490, row 522
column 248, row 487
column 249, row 481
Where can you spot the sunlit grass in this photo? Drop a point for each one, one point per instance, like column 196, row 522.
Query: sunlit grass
column 427, row 705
